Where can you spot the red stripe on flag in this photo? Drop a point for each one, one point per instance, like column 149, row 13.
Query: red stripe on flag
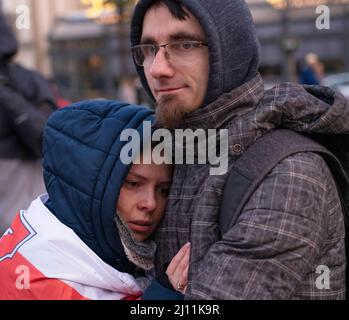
column 20, row 280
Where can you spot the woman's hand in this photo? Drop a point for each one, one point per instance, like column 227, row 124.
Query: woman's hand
column 177, row 270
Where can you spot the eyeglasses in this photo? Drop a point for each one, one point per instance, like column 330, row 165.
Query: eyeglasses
column 144, row 54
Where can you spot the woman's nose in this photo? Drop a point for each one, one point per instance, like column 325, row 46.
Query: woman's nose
column 148, row 201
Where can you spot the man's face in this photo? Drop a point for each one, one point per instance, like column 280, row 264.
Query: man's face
column 179, row 87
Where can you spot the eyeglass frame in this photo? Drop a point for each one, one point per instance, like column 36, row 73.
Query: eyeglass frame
column 157, row 47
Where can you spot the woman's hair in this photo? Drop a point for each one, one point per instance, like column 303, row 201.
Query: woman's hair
column 149, row 148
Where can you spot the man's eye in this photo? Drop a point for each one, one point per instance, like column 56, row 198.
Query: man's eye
column 187, row 46
column 183, row 46
column 147, row 51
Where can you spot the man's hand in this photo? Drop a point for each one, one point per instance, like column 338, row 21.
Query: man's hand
column 177, row 270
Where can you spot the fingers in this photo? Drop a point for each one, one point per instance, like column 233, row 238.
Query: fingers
column 177, row 270
column 185, row 278
column 177, row 259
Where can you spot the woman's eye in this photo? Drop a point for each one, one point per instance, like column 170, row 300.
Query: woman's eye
column 164, row 191
column 132, row 184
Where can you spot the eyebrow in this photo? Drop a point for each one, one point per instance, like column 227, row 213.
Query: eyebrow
column 174, row 37
column 135, row 175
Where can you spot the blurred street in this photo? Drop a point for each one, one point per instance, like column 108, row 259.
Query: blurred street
column 82, row 46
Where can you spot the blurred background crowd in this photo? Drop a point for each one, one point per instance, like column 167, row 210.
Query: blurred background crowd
column 81, row 48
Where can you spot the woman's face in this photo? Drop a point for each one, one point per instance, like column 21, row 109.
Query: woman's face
column 143, row 198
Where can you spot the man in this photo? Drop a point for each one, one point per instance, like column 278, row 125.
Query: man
column 198, row 60
column 25, row 104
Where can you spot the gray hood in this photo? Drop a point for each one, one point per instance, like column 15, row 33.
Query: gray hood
column 231, row 37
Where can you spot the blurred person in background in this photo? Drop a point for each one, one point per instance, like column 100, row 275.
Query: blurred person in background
column 127, row 90
column 25, row 105
column 60, row 100
column 313, row 72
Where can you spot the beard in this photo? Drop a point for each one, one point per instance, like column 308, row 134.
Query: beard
column 170, row 111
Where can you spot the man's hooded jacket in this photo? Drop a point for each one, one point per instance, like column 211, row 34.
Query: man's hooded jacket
column 294, row 221
column 231, row 52
column 68, row 239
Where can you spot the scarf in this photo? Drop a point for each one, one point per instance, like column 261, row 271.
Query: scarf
column 141, row 253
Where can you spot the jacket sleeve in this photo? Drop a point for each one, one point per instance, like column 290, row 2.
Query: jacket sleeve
column 277, row 238
column 158, row 292
column 28, row 120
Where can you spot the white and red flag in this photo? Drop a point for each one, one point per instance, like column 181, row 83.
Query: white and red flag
column 41, row 258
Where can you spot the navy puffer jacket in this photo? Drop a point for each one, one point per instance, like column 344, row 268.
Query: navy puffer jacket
column 83, row 172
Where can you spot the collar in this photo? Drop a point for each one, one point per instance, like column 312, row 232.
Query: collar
column 229, row 105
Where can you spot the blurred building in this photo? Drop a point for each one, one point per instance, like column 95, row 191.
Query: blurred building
column 90, row 59
column 78, row 43
column 87, row 52
column 34, row 47
column 287, row 32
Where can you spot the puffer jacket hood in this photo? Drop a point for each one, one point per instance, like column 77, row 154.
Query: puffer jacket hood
column 8, row 43
column 231, row 37
column 83, row 172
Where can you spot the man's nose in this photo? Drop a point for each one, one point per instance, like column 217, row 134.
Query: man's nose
column 148, row 201
column 161, row 66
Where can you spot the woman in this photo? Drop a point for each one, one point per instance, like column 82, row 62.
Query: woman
column 89, row 238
